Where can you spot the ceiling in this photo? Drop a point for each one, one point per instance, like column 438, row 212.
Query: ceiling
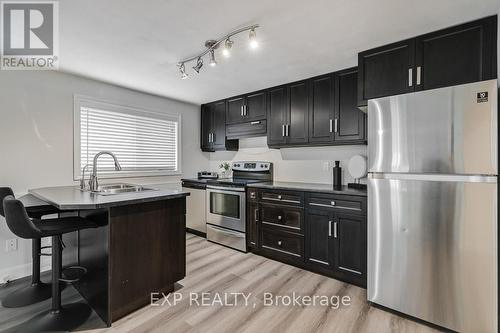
column 137, row 44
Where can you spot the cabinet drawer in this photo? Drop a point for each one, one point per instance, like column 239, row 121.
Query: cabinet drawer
column 344, row 203
column 283, row 243
column 284, row 197
column 283, row 217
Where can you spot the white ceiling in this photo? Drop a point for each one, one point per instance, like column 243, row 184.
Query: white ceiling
column 137, row 44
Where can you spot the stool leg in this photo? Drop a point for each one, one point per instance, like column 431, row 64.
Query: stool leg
column 56, row 274
column 37, row 291
column 36, row 245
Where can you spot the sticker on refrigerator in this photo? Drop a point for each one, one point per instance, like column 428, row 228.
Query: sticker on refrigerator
column 482, row 97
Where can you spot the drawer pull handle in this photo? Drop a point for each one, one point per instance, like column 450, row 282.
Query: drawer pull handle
column 279, row 217
column 279, row 243
column 252, row 195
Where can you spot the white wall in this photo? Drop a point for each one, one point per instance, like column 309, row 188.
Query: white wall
column 36, row 139
column 293, row 164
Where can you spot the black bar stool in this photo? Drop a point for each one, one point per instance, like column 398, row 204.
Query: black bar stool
column 58, row 318
column 37, row 291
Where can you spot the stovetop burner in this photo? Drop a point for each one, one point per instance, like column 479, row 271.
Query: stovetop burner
column 246, row 173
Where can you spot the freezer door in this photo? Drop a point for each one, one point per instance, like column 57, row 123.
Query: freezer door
column 432, row 249
column 450, row 130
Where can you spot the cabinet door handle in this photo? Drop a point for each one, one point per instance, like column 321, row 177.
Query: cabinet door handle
column 256, row 215
column 332, row 203
column 213, row 137
column 410, row 77
column 279, row 243
column 283, row 130
column 255, row 123
column 279, row 217
column 241, row 110
column 336, row 125
column 209, row 137
column 329, row 228
column 331, row 125
column 419, row 73
column 279, row 197
column 335, row 229
column 287, row 130
column 245, row 113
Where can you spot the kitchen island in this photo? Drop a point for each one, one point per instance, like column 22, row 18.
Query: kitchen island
column 138, row 249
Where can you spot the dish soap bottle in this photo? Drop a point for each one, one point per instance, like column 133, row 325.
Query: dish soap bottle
column 337, row 176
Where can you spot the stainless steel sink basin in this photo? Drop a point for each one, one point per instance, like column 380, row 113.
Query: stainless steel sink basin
column 110, row 189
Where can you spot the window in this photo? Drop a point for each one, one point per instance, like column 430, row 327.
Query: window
column 145, row 142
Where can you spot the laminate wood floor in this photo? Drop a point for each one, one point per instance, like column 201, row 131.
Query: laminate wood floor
column 216, row 269
column 220, row 271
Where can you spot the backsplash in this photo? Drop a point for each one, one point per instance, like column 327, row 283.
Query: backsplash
column 293, row 164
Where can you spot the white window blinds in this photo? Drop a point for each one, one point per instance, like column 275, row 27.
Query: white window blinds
column 143, row 142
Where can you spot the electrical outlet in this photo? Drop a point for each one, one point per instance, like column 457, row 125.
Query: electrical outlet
column 325, row 166
column 11, row 245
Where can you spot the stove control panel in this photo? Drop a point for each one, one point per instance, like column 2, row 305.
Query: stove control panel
column 252, row 166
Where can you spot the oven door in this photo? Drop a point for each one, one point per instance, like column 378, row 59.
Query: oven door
column 226, row 207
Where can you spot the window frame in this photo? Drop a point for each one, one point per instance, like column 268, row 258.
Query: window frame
column 80, row 101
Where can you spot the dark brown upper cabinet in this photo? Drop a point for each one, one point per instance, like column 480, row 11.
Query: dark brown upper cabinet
column 277, row 116
column 213, row 128
column 288, row 115
column 349, row 122
column 321, row 110
column 457, row 55
column 242, row 109
column 386, row 71
column 334, row 117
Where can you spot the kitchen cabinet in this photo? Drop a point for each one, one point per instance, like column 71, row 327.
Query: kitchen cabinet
column 319, row 246
column 252, row 225
column 277, row 116
column 386, row 71
column 349, row 249
column 247, row 108
column 213, row 128
column 321, row 232
column 321, row 111
column 349, row 121
column 288, row 115
column 457, row 55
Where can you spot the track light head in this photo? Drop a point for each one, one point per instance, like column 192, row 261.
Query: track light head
column 252, row 36
column 213, row 63
column 182, row 69
column 227, row 47
column 199, row 65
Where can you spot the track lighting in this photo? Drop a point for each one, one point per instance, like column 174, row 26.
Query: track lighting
column 227, row 47
column 182, row 69
column 212, row 58
column 199, row 65
column 212, row 45
column 252, row 36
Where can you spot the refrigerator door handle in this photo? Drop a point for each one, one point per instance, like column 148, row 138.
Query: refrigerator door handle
column 434, row 177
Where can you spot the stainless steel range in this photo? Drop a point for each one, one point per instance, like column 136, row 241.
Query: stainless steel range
column 226, row 203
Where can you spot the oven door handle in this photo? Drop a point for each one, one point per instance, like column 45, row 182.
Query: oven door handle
column 227, row 189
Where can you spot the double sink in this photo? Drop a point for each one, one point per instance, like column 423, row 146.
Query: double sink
column 118, row 188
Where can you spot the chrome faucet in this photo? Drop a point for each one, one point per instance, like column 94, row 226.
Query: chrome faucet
column 82, row 180
column 93, row 183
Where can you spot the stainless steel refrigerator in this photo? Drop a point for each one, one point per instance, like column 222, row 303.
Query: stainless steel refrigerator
column 432, row 205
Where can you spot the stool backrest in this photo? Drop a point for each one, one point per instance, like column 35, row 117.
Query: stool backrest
column 4, row 191
column 17, row 219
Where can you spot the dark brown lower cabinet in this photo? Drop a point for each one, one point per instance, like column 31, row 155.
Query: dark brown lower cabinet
column 252, row 225
column 323, row 233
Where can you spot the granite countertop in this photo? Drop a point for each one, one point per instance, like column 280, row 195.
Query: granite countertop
column 309, row 187
column 72, row 198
